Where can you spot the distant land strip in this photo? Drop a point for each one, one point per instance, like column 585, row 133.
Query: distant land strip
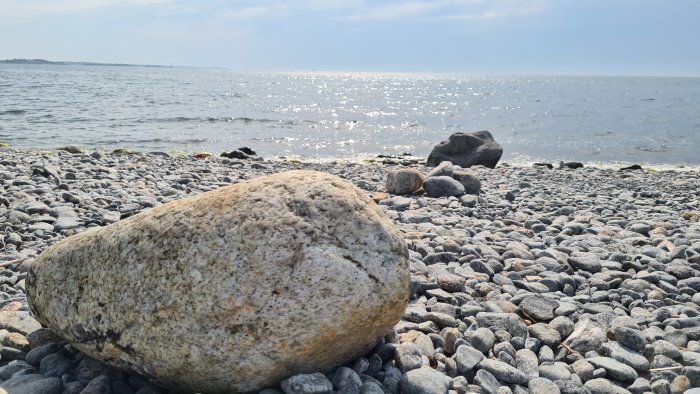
column 52, row 63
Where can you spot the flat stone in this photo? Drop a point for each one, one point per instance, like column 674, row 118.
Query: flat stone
column 538, row 308
column 526, row 361
column 615, row 369
column 625, row 355
column 55, row 365
column 545, row 334
column 510, row 322
column 554, row 372
column 13, row 367
column 408, row 357
column 32, row 384
column 585, row 261
column 486, row 381
column 482, row 339
column 425, row 381
column 603, row 386
column 35, row 355
column 314, row 383
column 346, row 381
column 211, row 276
column 98, row 385
column 629, row 337
column 542, row 386
column 571, row 387
column 18, row 321
column 503, row 372
column 563, row 325
column 588, row 335
column 450, row 282
column 639, row 386
column 467, row 358
column 445, row 168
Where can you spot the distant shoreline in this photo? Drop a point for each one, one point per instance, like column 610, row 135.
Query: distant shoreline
column 43, row 62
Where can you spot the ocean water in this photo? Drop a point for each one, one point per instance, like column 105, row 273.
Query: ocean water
column 318, row 115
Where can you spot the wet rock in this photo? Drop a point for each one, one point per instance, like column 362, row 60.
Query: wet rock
column 466, row 150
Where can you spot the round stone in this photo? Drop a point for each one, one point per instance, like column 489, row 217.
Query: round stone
column 231, row 290
column 540, row 309
column 403, row 181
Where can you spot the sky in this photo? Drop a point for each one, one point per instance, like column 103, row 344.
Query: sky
column 566, row 37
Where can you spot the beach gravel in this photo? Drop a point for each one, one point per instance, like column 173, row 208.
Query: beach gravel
column 610, row 258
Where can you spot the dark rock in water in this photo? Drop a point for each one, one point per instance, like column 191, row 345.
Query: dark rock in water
column 467, row 149
column 71, row 149
column 571, row 164
column 548, row 165
column 236, row 154
column 248, row 151
column 632, row 167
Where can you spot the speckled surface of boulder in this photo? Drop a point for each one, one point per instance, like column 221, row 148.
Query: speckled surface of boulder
column 232, row 290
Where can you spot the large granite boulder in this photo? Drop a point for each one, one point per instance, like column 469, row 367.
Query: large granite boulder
column 466, row 150
column 232, row 290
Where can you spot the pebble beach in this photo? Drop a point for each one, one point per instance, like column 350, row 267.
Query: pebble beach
column 564, row 280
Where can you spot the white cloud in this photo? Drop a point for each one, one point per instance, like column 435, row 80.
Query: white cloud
column 47, row 7
column 396, row 11
column 352, row 10
column 448, row 10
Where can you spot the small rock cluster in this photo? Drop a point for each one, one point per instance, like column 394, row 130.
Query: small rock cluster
column 549, row 280
column 445, row 180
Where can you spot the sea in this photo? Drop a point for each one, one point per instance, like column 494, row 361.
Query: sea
column 349, row 115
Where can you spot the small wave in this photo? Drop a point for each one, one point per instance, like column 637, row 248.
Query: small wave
column 13, row 112
column 211, row 119
column 649, row 149
column 149, row 141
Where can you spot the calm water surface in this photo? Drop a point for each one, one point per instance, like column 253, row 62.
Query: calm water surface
column 348, row 115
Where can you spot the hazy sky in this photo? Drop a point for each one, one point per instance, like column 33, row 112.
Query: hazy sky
column 610, row 37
